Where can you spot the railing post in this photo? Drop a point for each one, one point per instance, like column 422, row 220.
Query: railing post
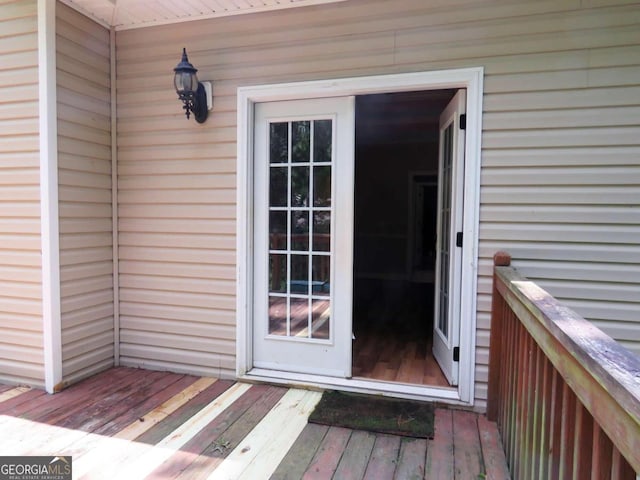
column 500, row 259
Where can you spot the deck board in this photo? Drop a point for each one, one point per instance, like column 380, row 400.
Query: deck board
column 439, row 464
column 186, row 411
column 355, row 458
column 468, row 461
column 383, row 461
column 326, row 459
column 130, row 423
column 216, row 441
column 17, row 405
column 260, row 452
column 411, row 459
column 301, row 453
column 155, row 408
column 495, row 462
column 7, row 393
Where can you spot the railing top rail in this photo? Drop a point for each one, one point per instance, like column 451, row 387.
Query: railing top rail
column 605, row 362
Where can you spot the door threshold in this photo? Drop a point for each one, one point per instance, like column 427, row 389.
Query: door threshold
column 449, row 395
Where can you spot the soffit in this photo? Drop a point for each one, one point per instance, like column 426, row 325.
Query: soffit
column 128, row 14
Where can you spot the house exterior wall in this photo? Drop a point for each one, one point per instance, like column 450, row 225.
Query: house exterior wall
column 84, row 190
column 21, row 342
column 560, row 161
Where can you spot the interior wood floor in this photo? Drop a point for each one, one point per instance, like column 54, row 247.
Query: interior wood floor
column 396, row 358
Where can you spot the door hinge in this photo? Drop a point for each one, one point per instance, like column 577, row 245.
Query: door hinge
column 456, row 354
column 463, row 121
column 459, row 239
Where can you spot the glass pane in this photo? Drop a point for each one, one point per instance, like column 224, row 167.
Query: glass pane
column 445, row 233
column 279, row 142
column 320, row 316
column 321, row 274
column 300, row 187
column 321, row 231
column 277, row 316
column 277, row 230
column 300, row 230
column 300, row 274
column 277, row 273
column 278, row 187
column 322, row 141
column 300, row 141
column 322, row 186
column 300, row 317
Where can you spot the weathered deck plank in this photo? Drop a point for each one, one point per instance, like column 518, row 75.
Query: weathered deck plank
column 495, row 463
column 118, row 400
column 260, row 452
column 7, row 393
column 466, row 445
column 301, row 453
column 128, row 422
column 383, row 461
column 14, row 406
column 155, row 408
column 218, row 439
column 186, row 411
column 62, row 406
column 4, row 388
column 355, row 458
column 326, row 459
column 87, row 448
column 439, row 464
column 411, row 459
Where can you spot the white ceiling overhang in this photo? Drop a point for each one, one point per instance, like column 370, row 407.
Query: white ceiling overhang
column 128, row 14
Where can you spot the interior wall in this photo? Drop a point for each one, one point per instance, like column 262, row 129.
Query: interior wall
column 560, row 162
column 84, row 179
column 21, row 339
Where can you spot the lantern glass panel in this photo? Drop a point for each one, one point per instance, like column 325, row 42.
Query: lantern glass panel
column 185, row 82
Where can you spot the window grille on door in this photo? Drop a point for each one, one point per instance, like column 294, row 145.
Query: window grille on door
column 300, row 208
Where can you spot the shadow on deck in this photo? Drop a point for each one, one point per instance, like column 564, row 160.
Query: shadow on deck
column 131, row 424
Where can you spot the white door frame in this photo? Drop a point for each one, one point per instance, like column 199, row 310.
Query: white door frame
column 469, row 78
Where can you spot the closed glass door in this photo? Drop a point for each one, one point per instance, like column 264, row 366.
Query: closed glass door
column 302, row 234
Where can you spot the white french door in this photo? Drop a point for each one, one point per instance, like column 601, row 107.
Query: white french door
column 303, row 230
column 446, row 335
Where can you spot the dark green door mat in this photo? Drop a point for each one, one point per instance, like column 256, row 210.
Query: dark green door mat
column 375, row 414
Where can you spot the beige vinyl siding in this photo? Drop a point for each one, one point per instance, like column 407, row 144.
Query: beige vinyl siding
column 84, row 183
column 21, row 341
column 560, row 168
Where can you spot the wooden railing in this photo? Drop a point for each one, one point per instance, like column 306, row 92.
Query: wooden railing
column 565, row 395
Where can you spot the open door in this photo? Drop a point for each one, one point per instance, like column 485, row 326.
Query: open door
column 303, row 230
column 449, row 238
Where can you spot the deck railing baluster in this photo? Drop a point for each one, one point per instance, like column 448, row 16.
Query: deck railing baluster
column 565, row 396
column 545, row 424
column 535, row 415
column 556, row 424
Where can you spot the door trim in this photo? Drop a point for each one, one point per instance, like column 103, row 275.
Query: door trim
column 469, row 78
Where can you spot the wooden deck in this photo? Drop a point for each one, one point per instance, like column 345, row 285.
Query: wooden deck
column 132, row 424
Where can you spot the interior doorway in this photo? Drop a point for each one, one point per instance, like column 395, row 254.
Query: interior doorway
column 397, row 185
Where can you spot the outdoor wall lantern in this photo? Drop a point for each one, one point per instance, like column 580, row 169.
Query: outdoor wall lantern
column 196, row 96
